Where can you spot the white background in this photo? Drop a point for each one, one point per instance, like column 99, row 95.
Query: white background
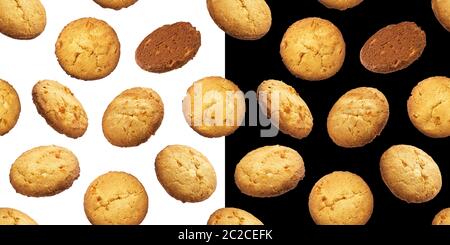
column 23, row 63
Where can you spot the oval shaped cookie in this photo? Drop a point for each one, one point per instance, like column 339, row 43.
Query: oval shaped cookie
column 22, row 19
column 341, row 198
column 9, row 107
column 429, row 107
column 410, row 174
column 60, row 108
column 393, row 48
column 441, row 11
column 269, row 171
column 241, row 19
column 285, row 108
column 340, row 4
column 442, row 218
column 115, row 4
column 116, row 198
column 133, row 117
column 358, row 117
column 88, row 49
column 313, row 49
column 11, row 216
column 168, row 48
column 44, row 171
column 233, row 216
column 185, row 173
column 214, row 107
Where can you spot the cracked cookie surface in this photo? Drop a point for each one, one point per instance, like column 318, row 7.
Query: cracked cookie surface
column 9, row 107
column 340, row 4
column 11, row 216
column 341, row 198
column 185, row 173
column 410, row 173
column 442, row 218
column 116, row 198
column 358, row 117
column 269, row 171
column 115, row 4
column 241, row 19
column 22, row 19
column 313, row 49
column 88, row 49
column 441, row 9
column 233, row 216
column 44, row 171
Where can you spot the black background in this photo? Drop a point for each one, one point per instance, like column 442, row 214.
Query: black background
column 248, row 63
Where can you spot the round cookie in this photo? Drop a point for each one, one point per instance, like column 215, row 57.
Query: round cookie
column 341, row 198
column 9, row 107
column 410, row 174
column 429, row 107
column 441, row 9
column 269, row 171
column 358, row 117
column 88, row 49
column 44, row 171
column 22, row 19
column 116, row 198
column 60, row 108
column 133, row 117
column 313, row 49
column 393, row 48
column 115, row 4
column 214, row 107
column 168, row 48
column 340, row 4
column 241, row 19
column 185, row 173
column 442, row 218
column 285, row 108
column 233, row 216
column 11, row 216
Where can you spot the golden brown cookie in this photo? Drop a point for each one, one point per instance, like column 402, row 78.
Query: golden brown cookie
column 393, row 48
column 285, row 108
column 429, row 107
column 88, row 49
column 340, row 4
column 358, row 117
column 442, row 218
column 441, row 9
column 22, row 19
column 241, row 19
column 269, row 171
column 313, row 49
column 185, row 173
column 11, row 216
column 168, row 48
column 9, row 107
column 116, row 198
column 233, row 216
column 214, row 107
column 60, row 108
column 115, row 4
column 341, row 198
column 133, row 117
column 44, row 171
column 410, row 174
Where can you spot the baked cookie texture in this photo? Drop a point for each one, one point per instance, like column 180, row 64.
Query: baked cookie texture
column 44, row 171
column 60, row 108
column 9, row 107
column 285, row 108
column 341, row 198
column 313, row 49
column 185, row 173
column 88, row 49
column 168, row 48
column 11, row 216
column 441, row 9
column 233, row 216
column 214, row 107
column 410, row 174
column 115, row 4
column 429, row 107
column 133, row 117
column 393, row 48
column 241, row 19
column 340, row 4
column 269, row 171
column 442, row 218
column 358, row 117
column 22, row 19
column 116, row 198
